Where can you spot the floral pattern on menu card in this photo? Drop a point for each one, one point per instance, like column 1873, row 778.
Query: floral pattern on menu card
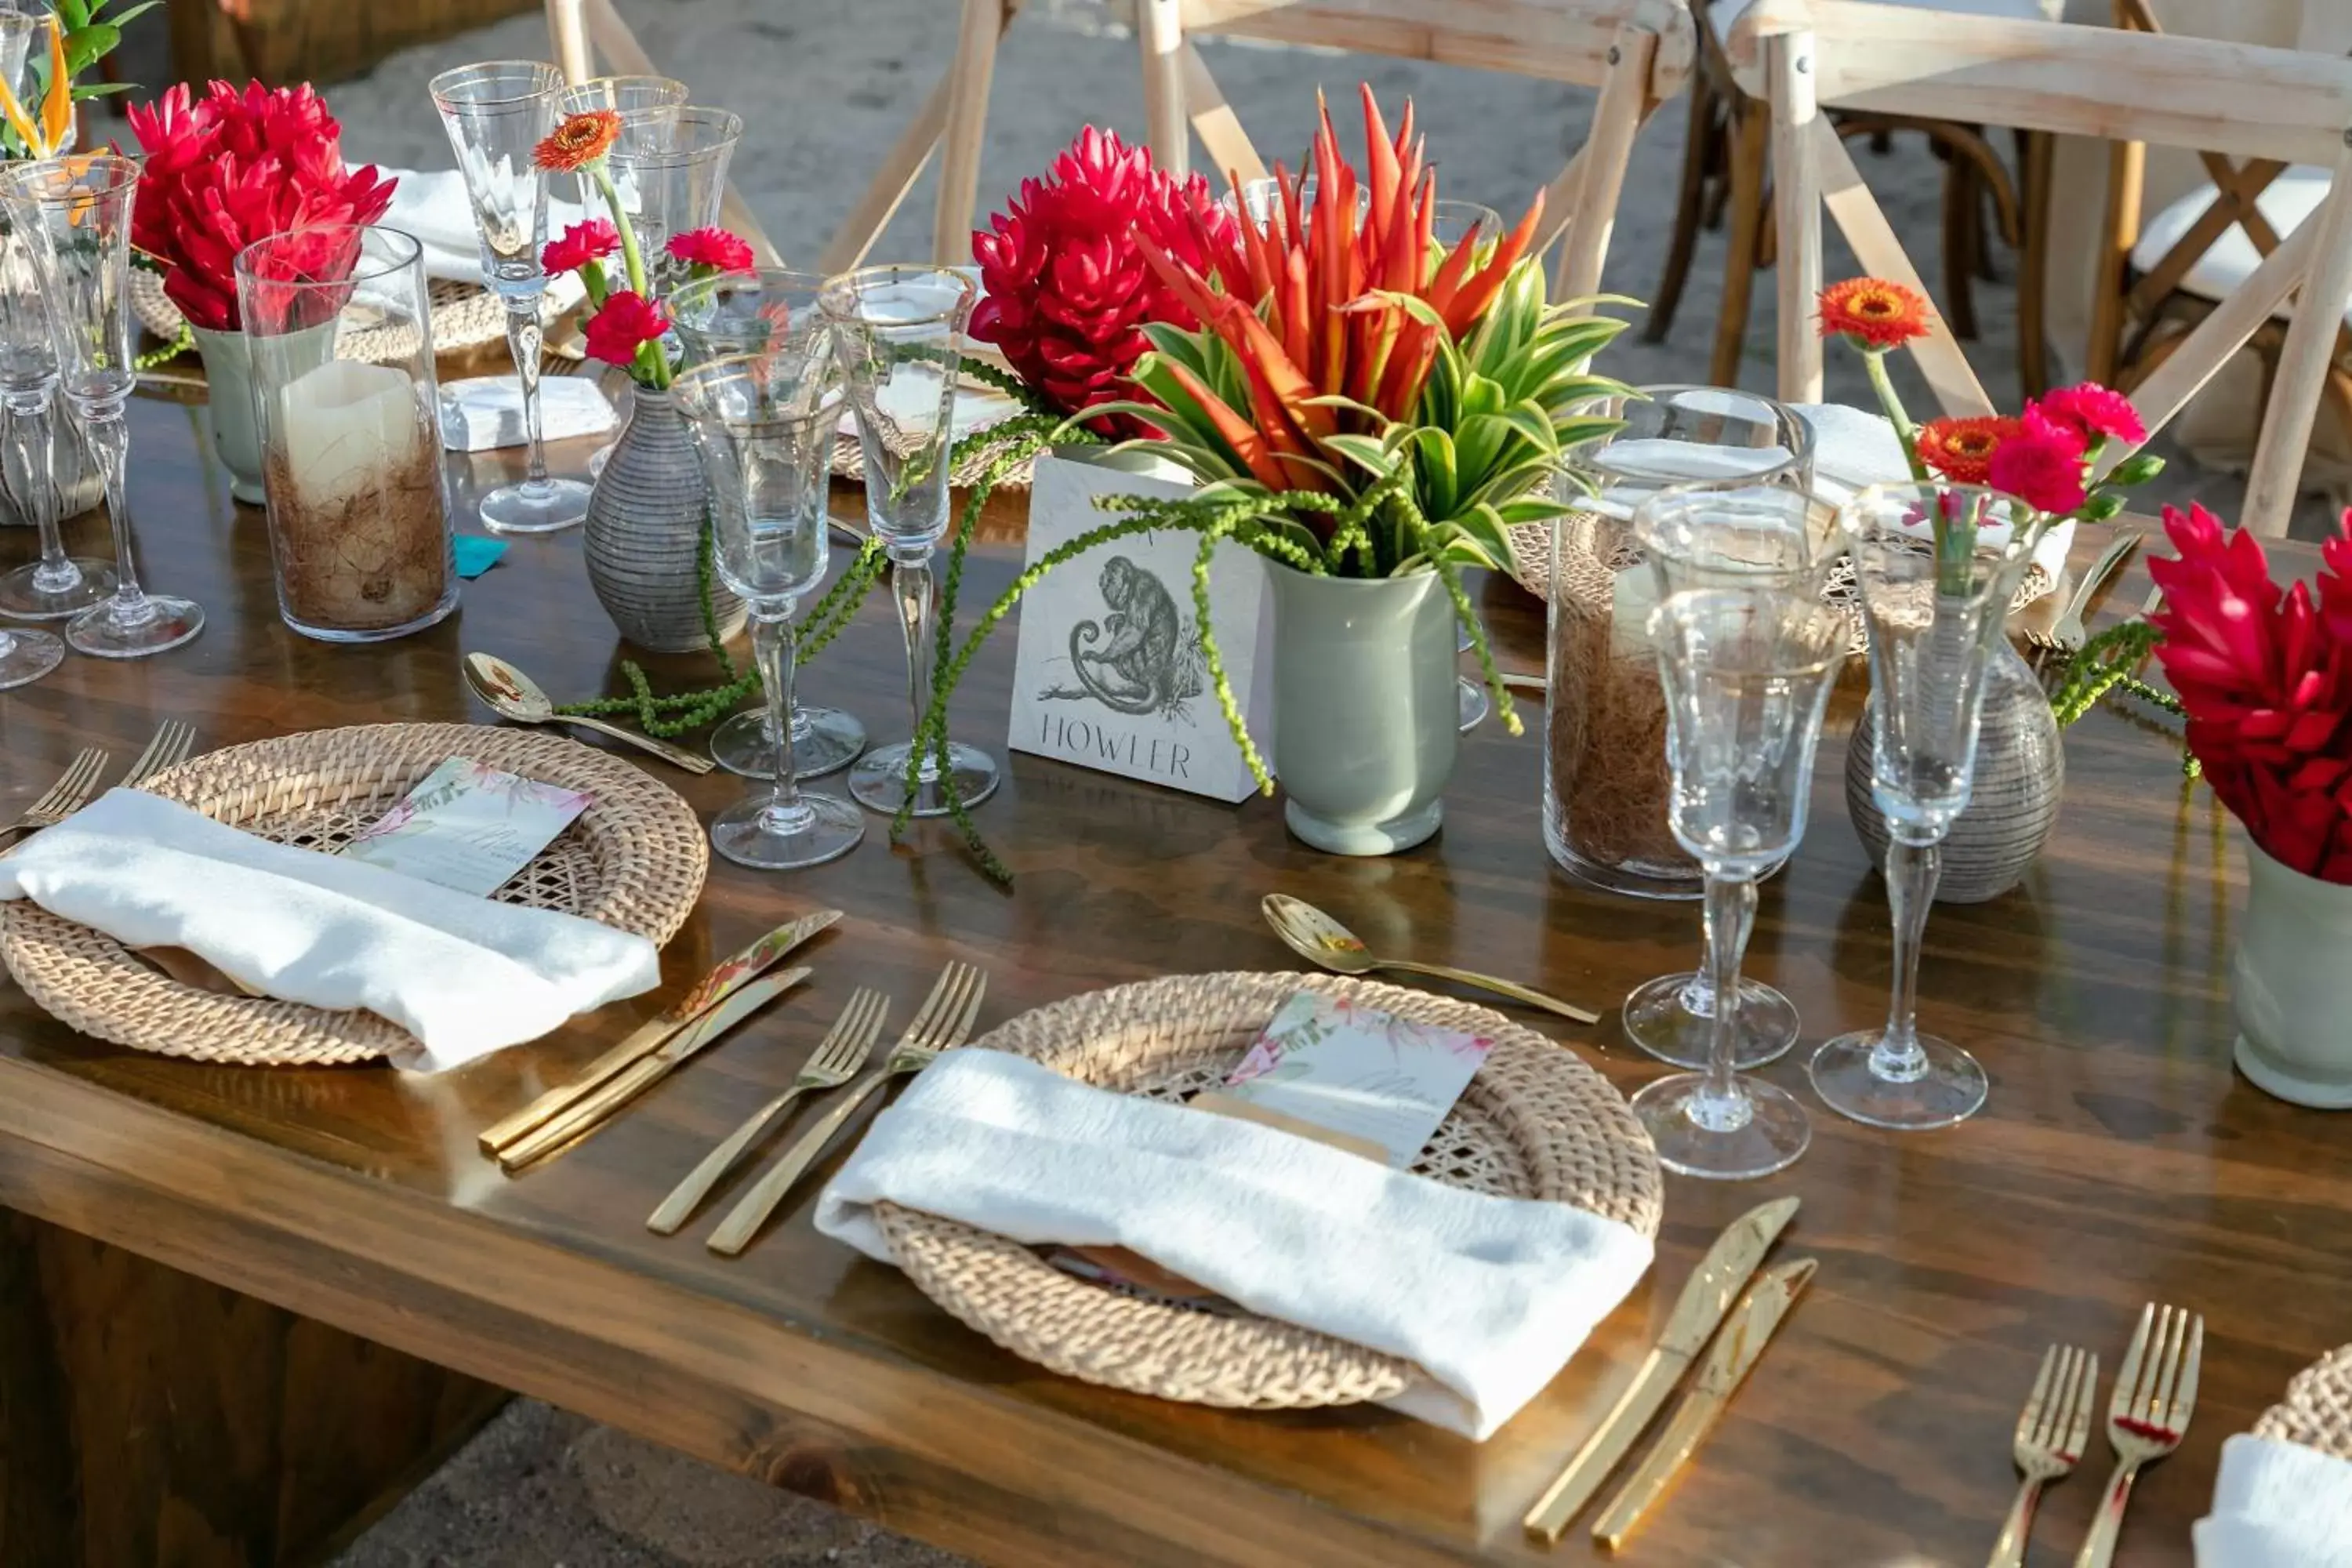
column 468, row 827
column 1356, row 1070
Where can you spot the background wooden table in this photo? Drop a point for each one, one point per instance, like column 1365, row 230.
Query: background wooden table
column 2120, row 1160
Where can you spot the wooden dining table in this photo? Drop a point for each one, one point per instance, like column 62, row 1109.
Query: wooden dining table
column 242, row 1309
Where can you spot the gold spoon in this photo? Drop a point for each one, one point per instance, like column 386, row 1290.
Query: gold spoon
column 1320, row 940
column 513, row 695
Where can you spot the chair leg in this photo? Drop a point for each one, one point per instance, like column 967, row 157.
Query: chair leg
column 2035, row 159
column 1959, row 247
column 1698, row 152
column 967, row 124
column 1751, row 139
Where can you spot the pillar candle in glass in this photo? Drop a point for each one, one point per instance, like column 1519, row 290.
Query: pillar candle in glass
column 339, row 333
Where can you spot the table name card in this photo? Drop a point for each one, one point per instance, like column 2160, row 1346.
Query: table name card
column 468, row 827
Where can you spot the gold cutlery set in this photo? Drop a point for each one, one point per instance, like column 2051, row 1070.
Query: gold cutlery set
column 78, row 785
column 2147, row 1415
column 1702, row 1309
column 736, row 989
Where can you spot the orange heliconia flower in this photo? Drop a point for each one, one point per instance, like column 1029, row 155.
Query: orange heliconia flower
column 579, row 142
column 1961, row 450
column 1878, row 314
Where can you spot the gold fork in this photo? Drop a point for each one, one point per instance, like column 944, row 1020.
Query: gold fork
column 168, row 749
column 2155, row 1389
column 837, row 1060
column 944, row 1023
column 68, row 794
column 2051, row 1432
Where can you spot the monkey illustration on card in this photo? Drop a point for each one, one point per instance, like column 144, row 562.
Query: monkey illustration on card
column 1143, row 656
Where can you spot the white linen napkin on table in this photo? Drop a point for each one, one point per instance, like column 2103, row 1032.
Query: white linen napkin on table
column 1490, row 1296
column 465, row 975
column 2277, row 1505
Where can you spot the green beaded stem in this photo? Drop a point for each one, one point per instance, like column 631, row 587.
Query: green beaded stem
column 173, row 350
column 2104, row 668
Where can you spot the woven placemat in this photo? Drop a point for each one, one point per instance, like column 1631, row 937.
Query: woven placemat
column 2318, row 1410
column 465, row 316
column 1530, row 568
column 633, row 860
column 1536, row 1122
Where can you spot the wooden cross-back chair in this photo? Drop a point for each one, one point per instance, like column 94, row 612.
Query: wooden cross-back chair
column 1636, row 52
column 2237, row 100
column 580, row 31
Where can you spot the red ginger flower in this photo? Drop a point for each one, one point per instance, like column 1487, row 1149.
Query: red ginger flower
column 1066, row 291
column 580, row 244
column 2041, row 466
column 231, row 168
column 2092, row 412
column 1961, row 450
column 2266, row 680
column 712, row 248
column 1878, row 314
column 626, row 320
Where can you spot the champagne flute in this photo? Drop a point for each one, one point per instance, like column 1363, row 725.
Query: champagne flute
column 1937, row 565
column 897, row 332
column 496, row 114
column 75, row 214
column 763, row 425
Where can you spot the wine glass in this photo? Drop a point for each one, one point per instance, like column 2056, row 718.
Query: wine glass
column 763, row 425
column 73, row 213
column 648, row 106
column 671, row 180
column 1452, row 224
column 741, row 314
column 1698, row 537
column 496, row 113
column 1747, row 672
column 897, row 332
column 1936, row 565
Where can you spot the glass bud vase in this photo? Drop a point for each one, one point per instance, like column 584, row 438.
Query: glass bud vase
column 644, row 531
column 339, row 346
column 1605, row 775
column 2021, row 775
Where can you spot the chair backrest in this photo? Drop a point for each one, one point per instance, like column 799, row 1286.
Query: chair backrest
column 580, row 31
column 2231, row 100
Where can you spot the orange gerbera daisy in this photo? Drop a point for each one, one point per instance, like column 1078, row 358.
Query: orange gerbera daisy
column 579, row 142
column 1961, row 450
column 1878, row 314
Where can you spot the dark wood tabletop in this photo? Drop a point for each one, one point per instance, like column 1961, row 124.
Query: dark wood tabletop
column 2120, row 1160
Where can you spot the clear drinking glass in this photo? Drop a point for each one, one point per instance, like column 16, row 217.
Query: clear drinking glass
column 75, row 213
column 1699, row 537
column 745, row 314
column 1604, row 718
column 764, row 425
column 648, row 106
column 1451, row 224
column 496, row 113
column 673, row 181
column 337, row 327
column 57, row 586
column 897, row 332
column 1746, row 673
column 1936, row 565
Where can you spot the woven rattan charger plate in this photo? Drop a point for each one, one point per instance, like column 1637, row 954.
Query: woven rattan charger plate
column 1536, row 1122
column 633, row 860
column 465, row 316
column 2318, row 1410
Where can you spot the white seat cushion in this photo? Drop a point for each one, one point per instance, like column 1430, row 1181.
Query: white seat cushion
column 1722, row 14
column 2231, row 260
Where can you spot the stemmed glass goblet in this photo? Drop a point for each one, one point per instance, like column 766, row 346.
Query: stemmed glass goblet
column 763, row 425
column 673, row 179
column 1451, row 224
column 1937, row 565
column 748, row 313
column 1697, row 537
column 1747, row 672
column 496, row 114
column 75, row 214
column 897, row 332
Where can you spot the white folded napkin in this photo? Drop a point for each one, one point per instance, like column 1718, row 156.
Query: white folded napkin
column 2277, row 1505
column 432, row 206
column 465, row 975
column 1490, row 1296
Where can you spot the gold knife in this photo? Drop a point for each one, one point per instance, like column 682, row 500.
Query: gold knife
column 1736, row 1351
column 646, row 1038
column 585, row 1115
column 1722, row 1274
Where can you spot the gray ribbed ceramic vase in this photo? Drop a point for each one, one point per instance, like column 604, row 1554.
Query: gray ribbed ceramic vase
column 1365, row 718
column 2020, row 773
column 645, row 531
